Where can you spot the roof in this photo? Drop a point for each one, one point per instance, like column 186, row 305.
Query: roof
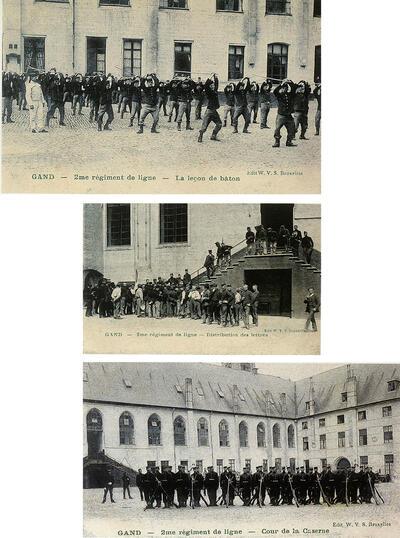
column 163, row 385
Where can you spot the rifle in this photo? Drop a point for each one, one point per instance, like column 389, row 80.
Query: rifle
column 227, row 494
column 293, row 493
column 373, row 490
column 191, row 493
column 166, row 494
column 379, row 495
column 346, row 496
column 323, row 493
column 259, row 491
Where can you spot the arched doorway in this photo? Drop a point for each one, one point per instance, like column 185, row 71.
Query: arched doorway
column 94, row 427
column 342, row 463
column 91, row 277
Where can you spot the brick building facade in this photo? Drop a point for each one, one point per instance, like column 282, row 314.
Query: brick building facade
column 233, row 38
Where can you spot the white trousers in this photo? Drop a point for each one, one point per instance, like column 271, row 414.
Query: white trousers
column 36, row 116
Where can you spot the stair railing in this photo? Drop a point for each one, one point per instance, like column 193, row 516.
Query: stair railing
column 196, row 273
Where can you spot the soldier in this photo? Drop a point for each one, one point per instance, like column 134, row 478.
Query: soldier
column 317, row 95
column 172, row 89
column 301, row 486
column 328, row 484
column 198, row 93
column 245, row 486
column 272, row 239
column 241, row 109
column 185, row 97
column 125, row 96
column 163, row 97
column 313, row 304
column 56, row 94
column 300, row 107
column 149, row 102
column 354, row 483
column 228, row 485
column 149, row 485
column 229, row 103
column 287, row 487
column 8, row 90
column 108, row 486
column 250, row 240
column 209, row 264
column 340, row 486
column 168, row 486
column 139, row 483
column 211, row 115
column 227, row 301
column 205, row 302
column 273, row 484
column 247, row 298
column 285, row 95
column 125, row 485
column 36, row 103
column 259, row 485
column 187, row 279
column 182, row 485
column 252, row 100
column 106, row 87
column 77, row 97
column 367, row 485
column 265, row 103
column 314, row 491
column 211, row 484
column 136, row 100
column 254, row 304
column 214, row 308
column 20, row 83
column 197, row 484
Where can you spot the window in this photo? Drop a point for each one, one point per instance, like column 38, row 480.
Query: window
column 151, row 464
column 231, row 464
column 127, row 383
column 317, row 64
column 277, row 7
column 362, row 437
column 387, row 434
column 278, row 464
column 85, row 377
column 164, row 464
column 341, row 439
column 393, row 385
column 34, row 53
column 229, row 5
column 364, row 460
column 185, row 464
column 340, row 419
column 389, row 460
column 96, row 54
column 126, row 429
column 199, row 464
column 183, row 59
column 344, row 396
column 115, row 2
column 178, row 389
column 132, row 58
column 305, row 443
column 290, row 436
column 362, row 415
column 292, row 464
column 265, row 466
column 179, row 432
column 321, row 423
column 247, row 463
column 94, row 422
column 308, row 406
column 173, row 223
column 118, row 225
column 276, row 436
column 260, row 435
column 277, row 61
column 387, row 411
column 304, row 425
column 223, row 433
column 235, row 62
column 317, row 8
column 220, row 466
column 202, row 432
column 322, row 441
column 243, row 435
column 94, row 427
column 174, row 4
column 324, row 463
column 154, row 430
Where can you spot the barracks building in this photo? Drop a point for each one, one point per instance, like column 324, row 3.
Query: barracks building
column 139, row 414
column 233, row 38
column 133, row 242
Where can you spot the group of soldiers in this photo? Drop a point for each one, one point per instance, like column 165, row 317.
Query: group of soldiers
column 139, row 97
column 300, row 487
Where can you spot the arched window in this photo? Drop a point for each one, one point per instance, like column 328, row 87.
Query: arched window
column 126, row 430
column 94, row 421
column 290, row 436
column 202, row 432
column 94, row 433
column 223, row 433
column 276, row 436
column 154, row 430
column 179, row 431
column 243, row 434
column 260, row 435
column 277, row 61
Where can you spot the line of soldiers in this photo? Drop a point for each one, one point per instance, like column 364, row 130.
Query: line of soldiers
column 143, row 96
column 351, row 486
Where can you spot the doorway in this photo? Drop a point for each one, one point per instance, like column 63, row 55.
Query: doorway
column 96, row 54
column 183, row 59
column 342, row 463
column 273, row 215
column 275, row 287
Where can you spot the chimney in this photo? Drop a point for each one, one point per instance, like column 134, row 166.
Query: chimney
column 283, row 403
column 235, row 399
column 311, row 401
column 351, row 387
column 188, row 393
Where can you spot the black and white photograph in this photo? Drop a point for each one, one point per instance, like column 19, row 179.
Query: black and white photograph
column 144, row 96
column 190, row 449
column 201, row 278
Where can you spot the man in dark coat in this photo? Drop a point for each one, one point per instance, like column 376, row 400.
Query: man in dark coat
column 307, row 245
column 182, row 485
column 228, row 485
column 245, row 486
column 241, row 109
column 149, row 102
column 285, row 93
column 149, row 485
column 265, row 99
column 254, row 304
column 56, row 94
column 197, row 484
column 106, row 87
column 198, row 94
column 8, row 90
column 211, row 115
column 168, row 486
column 209, row 263
column 313, row 304
column 126, row 481
column 108, row 486
column 250, row 239
column 211, row 484
column 300, row 107
column 185, row 98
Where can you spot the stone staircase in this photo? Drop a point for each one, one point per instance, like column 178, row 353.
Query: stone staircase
column 94, row 469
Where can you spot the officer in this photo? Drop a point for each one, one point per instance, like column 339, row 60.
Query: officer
column 106, row 88
column 185, row 97
column 265, row 99
column 56, row 94
column 211, row 115
column 182, row 485
column 240, row 93
column 136, row 100
column 108, row 486
column 300, row 107
column 252, row 100
column 229, row 103
column 228, row 485
column 245, row 486
column 149, row 101
column 285, row 93
column 197, row 484
column 168, row 486
column 149, row 485
column 211, row 484
column 126, row 481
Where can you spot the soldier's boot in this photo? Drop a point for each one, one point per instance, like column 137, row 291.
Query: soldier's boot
column 154, row 128
column 235, row 129
column 246, row 128
column 131, row 122
column 188, row 127
column 200, row 138
column 225, row 123
column 215, row 132
column 277, row 143
column 263, row 126
column 107, row 127
column 140, row 129
column 290, row 144
column 169, row 119
column 99, row 126
column 179, row 126
column 317, row 132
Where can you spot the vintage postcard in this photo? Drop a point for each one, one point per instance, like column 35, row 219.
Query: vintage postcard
column 165, row 96
column 240, row 449
column 201, row 278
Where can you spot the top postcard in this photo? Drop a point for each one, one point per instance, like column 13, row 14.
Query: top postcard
column 161, row 96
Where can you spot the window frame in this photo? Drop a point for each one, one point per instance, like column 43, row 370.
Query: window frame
column 315, row 12
column 186, row 8
column 235, row 55
column 276, row 436
column 159, row 426
column 362, row 415
column 132, row 41
column 270, row 64
column 306, row 444
column 261, row 437
column 104, row 3
column 222, row 10
column 286, row 13
column 122, row 246
column 179, row 429
column 322, row 423
column 388, row 430
column 161, row 235
column 129, row 429
column 386, row 411
column 243, row 434
column 322, row 441
column 341, row 436
column 204, row 436
column 178, row 72
column 339, row 419
column 225, row 437
column 291, row 437
column 363, row 437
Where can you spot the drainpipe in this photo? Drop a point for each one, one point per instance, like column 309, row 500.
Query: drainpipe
column 73, row 36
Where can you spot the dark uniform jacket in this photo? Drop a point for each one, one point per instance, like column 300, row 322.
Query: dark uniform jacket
column 212, row 94
column 312, row 302
column 149, row 94
column 285, row 100
column 265, row 93
column 211, row 480
column 185, row 91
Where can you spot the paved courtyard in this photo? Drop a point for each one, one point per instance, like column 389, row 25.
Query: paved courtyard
column 273, row 336
column 77, row 158
column 119, row 519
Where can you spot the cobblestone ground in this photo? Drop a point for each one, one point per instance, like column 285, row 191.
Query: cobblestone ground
column 80, row 149
column 106, row 520
column 273, row 336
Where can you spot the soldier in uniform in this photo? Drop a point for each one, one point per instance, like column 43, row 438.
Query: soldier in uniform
column 227, row 300
column 198, row 93
column 126, row 481
column 302, row 485
column 197, row 484
column 259, row 485
column 182, row 485
column 149, row 485
column 8, row 90
column 367, row 485
column 312, row 303
column 149, row 101
column 108, row 486
column 285, row 95
column 56, row 95
column 158, row 492
column 354, row 482
column 214, row 308
column 241, row 109
column 106, row 88
column 252, row 100
column 300, row 107
column 287, row 494
column 228, row 485
column 328, row 484
column 163, row 97
column 265, row 103
column 317, row 95
column 229, row 103
column 211, row 115
column 211, row 484
column 77, row 90
column 136, row 100
column 246, row 486
column 205, row 302
column 172, row 89
column 139, row 483
column 254, row 304
column 314, row 491
column 247, row 298
column 274, row 486
column 185, row 97
column 168, row 486
column 340, row 486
